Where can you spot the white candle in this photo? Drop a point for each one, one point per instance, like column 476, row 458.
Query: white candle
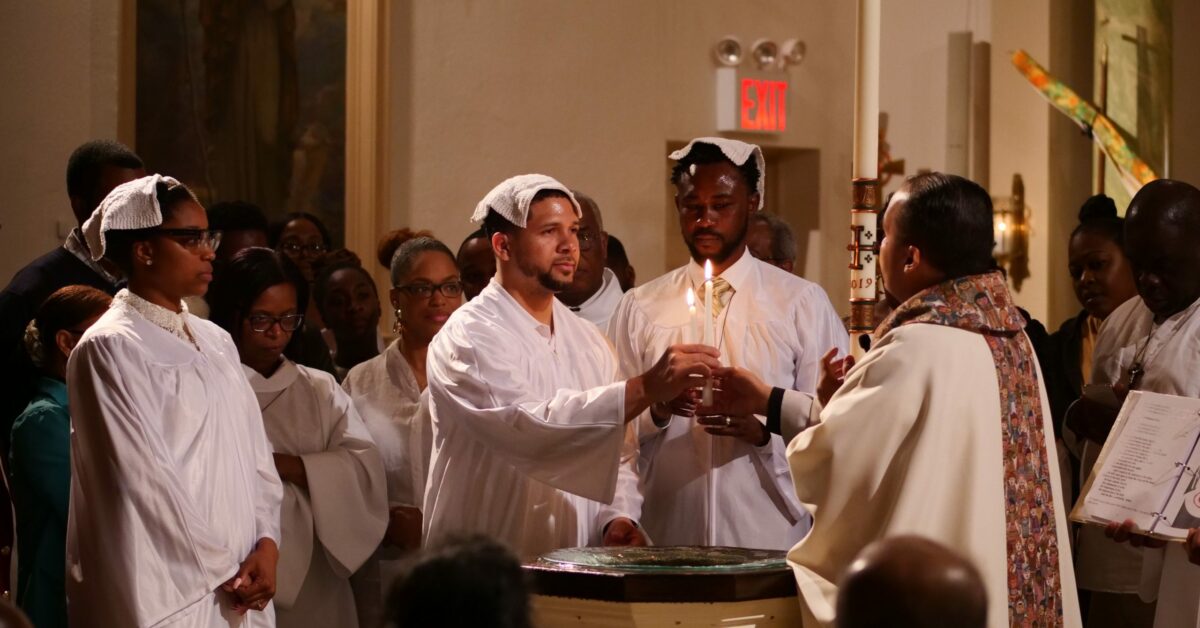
column 710, row 327
column 866, row 152
column 709, row 320
column 866, row 91
column 689, row 332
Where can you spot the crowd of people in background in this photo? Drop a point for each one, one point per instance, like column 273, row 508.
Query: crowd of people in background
column 354, row 448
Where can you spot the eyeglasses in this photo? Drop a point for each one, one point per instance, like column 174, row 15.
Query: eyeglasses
column 288, row 322
column 587, row 240
column 295, row 248
column 450, row 289
column 194, row 239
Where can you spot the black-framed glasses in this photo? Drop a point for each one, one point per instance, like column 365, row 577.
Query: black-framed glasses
column 288, row 322
column 449, row 289
column 296, row 248
column 194, row 239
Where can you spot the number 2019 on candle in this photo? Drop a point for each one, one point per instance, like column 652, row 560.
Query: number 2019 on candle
column 862, row 283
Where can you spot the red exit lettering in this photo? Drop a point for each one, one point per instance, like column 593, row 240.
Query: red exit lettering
column 763, row 105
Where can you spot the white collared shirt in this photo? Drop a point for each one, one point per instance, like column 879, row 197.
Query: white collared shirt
column 705, row 490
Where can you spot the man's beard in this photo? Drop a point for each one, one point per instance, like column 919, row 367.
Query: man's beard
column 550, row 283
column 728, row 248
column 545, row 278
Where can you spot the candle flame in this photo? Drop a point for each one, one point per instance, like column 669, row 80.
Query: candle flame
column 707, row 270
column 691, row 298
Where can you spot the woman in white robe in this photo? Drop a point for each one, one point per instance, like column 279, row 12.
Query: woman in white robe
column 389, row 392
column 174, row 512
column 334, row 506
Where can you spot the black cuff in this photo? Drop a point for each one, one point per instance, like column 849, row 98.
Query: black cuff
column 775, row 410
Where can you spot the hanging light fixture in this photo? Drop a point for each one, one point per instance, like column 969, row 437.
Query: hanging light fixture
column 728, row 51
column 765, row 52
column 792, row 53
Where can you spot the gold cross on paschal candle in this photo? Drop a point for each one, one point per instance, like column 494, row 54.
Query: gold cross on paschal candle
column 856, row 246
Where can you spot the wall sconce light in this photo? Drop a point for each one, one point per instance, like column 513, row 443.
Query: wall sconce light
column 728, row 51
column 765, row 52
column 792, row 53
column 1010, row 230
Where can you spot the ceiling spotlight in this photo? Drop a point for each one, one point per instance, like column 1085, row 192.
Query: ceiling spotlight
column 792, row 52
column 728, row 51
column 765, row 52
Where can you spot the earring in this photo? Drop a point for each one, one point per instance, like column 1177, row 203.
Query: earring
column 149, row 262
column 398, row 326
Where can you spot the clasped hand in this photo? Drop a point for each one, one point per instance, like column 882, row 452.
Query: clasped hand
column 253, row 585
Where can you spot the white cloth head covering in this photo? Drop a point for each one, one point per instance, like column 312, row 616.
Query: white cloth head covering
column 737, row 152
column 131, row 205
column 512, row 197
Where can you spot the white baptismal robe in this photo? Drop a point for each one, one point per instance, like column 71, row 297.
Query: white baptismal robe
column 1170, row 358
column 172, row 479
column 912, row 443
column 330, row 529
column 706, row 490
column 395, row 411
column 599, row 307
column 522, row 420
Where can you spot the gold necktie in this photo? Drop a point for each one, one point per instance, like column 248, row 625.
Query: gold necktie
column 721, row 291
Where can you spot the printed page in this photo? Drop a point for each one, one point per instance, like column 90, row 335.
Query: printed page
column 1142, row 464
column 1183, row 509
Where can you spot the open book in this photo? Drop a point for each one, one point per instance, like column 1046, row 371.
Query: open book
column 1149, row 468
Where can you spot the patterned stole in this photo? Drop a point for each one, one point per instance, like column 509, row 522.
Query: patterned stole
column 982, row 304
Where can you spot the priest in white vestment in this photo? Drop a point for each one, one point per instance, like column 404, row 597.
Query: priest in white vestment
column 1152, row 343
column 174, row 514
column 526, row 404
column 942, row 430
column 700, row 489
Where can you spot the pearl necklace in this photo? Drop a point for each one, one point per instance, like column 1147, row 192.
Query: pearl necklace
column 172, row 322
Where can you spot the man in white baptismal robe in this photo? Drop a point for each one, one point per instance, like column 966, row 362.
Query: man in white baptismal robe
column 943, row 429
column 526, row 405
column 1152, row 343
column 701, row 489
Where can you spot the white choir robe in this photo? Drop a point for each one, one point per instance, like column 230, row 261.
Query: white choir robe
column 523, row 420
column 599, row 307
column 330, row 529
column 172, row 479
column 912, row 443
column 390, row 402
column 1170, row 359
column 396, row 412
column 706, row 490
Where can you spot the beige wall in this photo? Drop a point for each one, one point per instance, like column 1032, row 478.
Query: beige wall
column 913, row 74
column 592, row 93
column 59, row 62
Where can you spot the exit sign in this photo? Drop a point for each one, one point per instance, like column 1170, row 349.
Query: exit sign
column 751, row 102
